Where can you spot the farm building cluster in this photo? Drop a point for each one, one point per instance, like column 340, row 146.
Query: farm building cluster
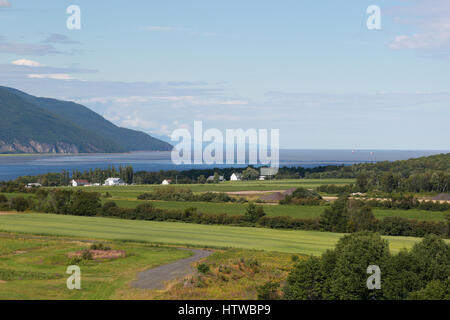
column 108, row 182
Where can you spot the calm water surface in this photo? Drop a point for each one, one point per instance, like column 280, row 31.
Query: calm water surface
column 12, row 167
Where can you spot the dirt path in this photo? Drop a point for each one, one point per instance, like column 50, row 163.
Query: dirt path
column 155, row 278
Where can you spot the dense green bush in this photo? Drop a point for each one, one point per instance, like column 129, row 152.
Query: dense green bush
column 84, row 203
column 203, row 268
column 406, row 203
column 268, row 291
column 4, row 203
column 334, row 189
column 19, row 204
column 346, row 215
column 341, row 274
column 306, row 281
column 397, row 226
column 302, row 196
column 254, row 212
column 100, row 246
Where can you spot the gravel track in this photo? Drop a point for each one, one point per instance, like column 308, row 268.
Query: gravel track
column 156, row 277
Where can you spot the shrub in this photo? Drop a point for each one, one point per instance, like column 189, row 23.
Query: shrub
column 306, row 281
column 334, row 189
column 203, row 268
column 435, row 290
column 108, row 206
column 3, row 199
column 100, row 246
column 75, row 261
column 302, row 196
column 145, row 208
column 305, row 193
column 19, row 204
column 87, row 255
column 254, row 212
column 85, row 203
column 268, row 291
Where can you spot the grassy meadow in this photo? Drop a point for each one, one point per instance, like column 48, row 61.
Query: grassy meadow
column 288, row 241
column 34, row 268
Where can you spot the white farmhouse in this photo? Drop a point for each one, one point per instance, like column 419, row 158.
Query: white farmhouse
column 236, row 177
column 33, row 185
column 114, row 182
column 79, row 183
column 166, row 182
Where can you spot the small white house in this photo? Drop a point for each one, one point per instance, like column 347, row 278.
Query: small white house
column 166, row 182
column 262, row 178
column 114, row 182
column 79, row 183
column 236, row 177
column 33, row 185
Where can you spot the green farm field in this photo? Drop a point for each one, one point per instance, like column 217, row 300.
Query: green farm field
column 290, row 241
column 274, row 210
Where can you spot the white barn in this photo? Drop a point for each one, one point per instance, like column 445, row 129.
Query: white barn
column 236, row 177
column 79, row 183
column 114, row 182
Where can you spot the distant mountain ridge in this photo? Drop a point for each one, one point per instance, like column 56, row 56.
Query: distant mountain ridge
column 30, row 124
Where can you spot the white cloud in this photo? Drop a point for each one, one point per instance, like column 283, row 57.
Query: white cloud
column 4, row 4
column 27, row 63
column 54, row 76
column 431, row 20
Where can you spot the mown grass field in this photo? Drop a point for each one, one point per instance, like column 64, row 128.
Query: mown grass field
column 35, row 268
column 290, row 241
column 295, row 211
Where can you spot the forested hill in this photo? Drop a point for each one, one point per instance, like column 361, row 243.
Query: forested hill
column 406, row 168
column 29, row 124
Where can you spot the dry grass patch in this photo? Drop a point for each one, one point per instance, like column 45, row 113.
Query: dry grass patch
column 99, row 254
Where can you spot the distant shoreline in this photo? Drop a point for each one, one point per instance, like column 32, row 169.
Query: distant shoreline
column 71, row 154
column 165, row 151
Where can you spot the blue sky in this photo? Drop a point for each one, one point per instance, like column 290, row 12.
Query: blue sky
column 309, row 68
